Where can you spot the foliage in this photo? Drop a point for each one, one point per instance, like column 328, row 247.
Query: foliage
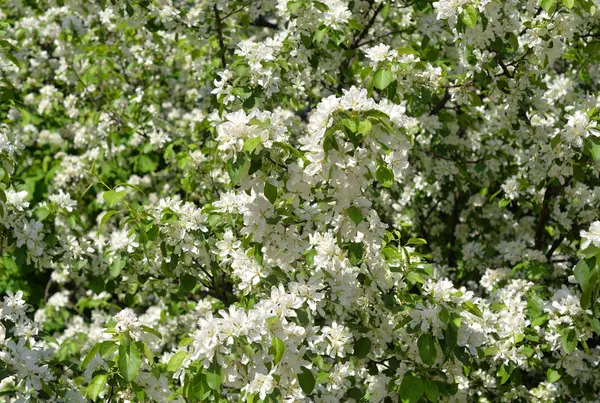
column 299, row 200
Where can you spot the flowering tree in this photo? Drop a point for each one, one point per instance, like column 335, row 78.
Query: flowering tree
column 300, row 200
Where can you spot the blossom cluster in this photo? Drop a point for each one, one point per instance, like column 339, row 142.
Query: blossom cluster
column 300, row 201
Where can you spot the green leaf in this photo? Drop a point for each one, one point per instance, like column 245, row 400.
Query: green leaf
column 432, row 391
column 213, row 375
column 306, row 380
column 354, row 24
column 364, row 126
column 235, row 168
column 382, row 78
column 568, row 3
column 416, row 241
column 116, row 266
column 595, row 323
column 590, row 251
column 581, row 272
column 469, row 16
column 176, row 360
column 475, row 99
column 112, row 197
column 569, row 340
column 129, row 361
column 105, row 218
column 96, row 386
column 503, row 86
column 411, row 388
column 145, row 348
column 270, row 192
column 251, row 144
column 329, row 143
column 277, row 349
column 588, row 288
column 362, row 347
column 107, row 348
column 249, row 102
column 552, row 375
column 294, row 6
column 321, row 6
column 90, row 355
column 150, row 330
column 10, row 264
column 355, row 214
column 548, row 5
column 385, row 176
column 188, row 282
column 593, row 147
column 503, row 374
column 427, row 350
column 472, row 308
column 146, row 164
column 197, row 388
column 355, row 253
column 320, row 34
column 513, row 41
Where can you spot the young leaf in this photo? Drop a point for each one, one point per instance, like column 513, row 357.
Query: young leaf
column 569, row 341
column 503, row 374
column 385, row 176
column 251, row 144
column 552, row 375
column 416, row 241
column 90, row 355
column 469, row 16
column 277, row 349
column 548, row 5
column 112, row 197
column 382, row 78
column 105, row 218
column 176, row 360
column 472, row 308
column 96, row 386
column 294, row 6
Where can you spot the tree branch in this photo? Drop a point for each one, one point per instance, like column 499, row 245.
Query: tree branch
column 220, row 33
column 367, row 27
column 355, row 44
column 441, row 104
column 455, row 218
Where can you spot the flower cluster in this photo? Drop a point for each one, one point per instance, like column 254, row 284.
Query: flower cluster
column 300, row 201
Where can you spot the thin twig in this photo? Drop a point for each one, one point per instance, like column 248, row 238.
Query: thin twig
column 367, row 27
